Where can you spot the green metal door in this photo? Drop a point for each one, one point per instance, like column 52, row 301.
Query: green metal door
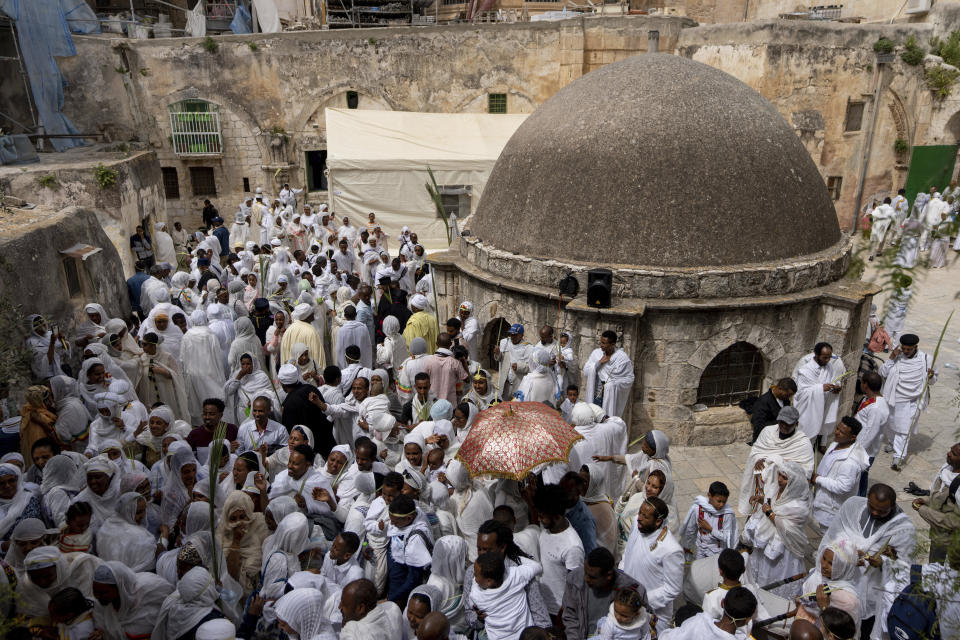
column 930, row 167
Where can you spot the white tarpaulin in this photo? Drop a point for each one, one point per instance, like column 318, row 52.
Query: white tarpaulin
column 377, row 161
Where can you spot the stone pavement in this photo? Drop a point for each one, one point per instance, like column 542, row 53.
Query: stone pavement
column 694, row 468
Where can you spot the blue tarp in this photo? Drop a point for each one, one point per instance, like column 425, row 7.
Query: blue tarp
column 44, row 35
column 241, row 20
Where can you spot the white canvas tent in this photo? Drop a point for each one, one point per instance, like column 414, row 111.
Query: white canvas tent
column 377, row 161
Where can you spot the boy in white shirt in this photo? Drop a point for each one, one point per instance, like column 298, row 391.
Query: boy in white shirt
column 710, row 525
column 500, row 598
column 561, row 550
column 340, row 566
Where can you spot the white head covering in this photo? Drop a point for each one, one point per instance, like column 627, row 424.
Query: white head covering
column 193, row 600
column 11, row 508
column 219, row 629
column 303, row 610
column 419, row 301
column 302, row 311
column 288, row 374
column 582, row 414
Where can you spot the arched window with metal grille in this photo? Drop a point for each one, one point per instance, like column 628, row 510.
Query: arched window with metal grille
column 734, row 374
column 195, row 128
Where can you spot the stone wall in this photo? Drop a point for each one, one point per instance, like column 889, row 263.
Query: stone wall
column 812, row 71
column 34, row 271
column 135, row 198
column 282, row 82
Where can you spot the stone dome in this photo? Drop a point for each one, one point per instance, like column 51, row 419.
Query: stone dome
column 656, row 161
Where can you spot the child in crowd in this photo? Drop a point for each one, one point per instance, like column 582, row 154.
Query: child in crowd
column 72, row 613
column 566, row 407
column 436, row 466
column 500, row 598
column 341, row 566
column 710, row 525
column 410, row 550
column 626, row 620
column 731, row 565
column 76, row 534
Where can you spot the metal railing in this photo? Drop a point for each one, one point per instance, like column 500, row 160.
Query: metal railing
column 196, row 133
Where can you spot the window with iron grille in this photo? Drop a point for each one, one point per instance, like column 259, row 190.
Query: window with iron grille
column 195, row 128
column 734, row 374
column 497, row 103
column 203, row 182
column 171, row 183
column 833, row 186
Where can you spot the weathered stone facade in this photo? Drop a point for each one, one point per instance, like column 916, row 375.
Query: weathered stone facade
column 136, row 197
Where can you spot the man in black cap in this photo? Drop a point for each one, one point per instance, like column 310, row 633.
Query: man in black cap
column 261, row 318
column 206, row 275
column 907, row 377
column 209, row 213
column 392, row 302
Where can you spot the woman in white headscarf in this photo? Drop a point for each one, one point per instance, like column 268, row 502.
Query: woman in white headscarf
column 247, row 383
column 62, row 479
column 69, row 570
column 73, row 421
column 305, row 613
column 16, row 502
column 246, row 341
column 281, row 554
column 122, row 536
column 447, row 570
column 393, row 352
column 299, row 435
column 275, row 332
column 93, row 380
column 110, row 423
column 182, row 294
column 126, row 356
column 102, row 479
column 472, row 507
column 159, row 422
column 836, row 570
column 241, row 532
column 342, row 474
column 414, row 453
column 160, row 377
column 185, row 474
column 221, row 324
column 302, row 359
column 779, row 542
column 136, row 600
column 540, row 384
column 203, row 365
column 26, row 536
column 425, row 599
column 160, row 322
column 91, row 328
column 192, row 603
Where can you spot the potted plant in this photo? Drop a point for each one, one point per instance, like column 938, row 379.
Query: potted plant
column 884, row 50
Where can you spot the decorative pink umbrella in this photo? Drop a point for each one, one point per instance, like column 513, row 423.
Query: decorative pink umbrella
column 510, row 439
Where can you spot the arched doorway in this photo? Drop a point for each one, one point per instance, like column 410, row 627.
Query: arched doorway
column 734, row 374
column 493, row 332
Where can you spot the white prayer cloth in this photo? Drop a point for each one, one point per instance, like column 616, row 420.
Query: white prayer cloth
column 354, row 332
column 724, row 535
column 385, row 622
column 699, row 627
column 903, row 383
column 818, row 408
column 769, row 446
column 120, row 538
column 511, row 354
column 163, row 248
column 141, row 595
column 854, row 522
column 507, row 609
column 202, row 360
column 656, row 561
column 613, row 380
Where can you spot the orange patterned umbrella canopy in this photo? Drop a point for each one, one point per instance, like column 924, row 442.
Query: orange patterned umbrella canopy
column 510, row 439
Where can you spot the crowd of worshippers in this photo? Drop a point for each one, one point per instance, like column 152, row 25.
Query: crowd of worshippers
column 925, row 226
column 227, row 468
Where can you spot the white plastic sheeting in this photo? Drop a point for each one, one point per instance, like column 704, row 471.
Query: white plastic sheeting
column 268, row 16
column 377, row 161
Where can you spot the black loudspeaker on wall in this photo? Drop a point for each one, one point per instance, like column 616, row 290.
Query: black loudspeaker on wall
column 599, row 288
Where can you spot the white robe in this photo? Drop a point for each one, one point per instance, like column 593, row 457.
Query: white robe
column 510, row 354
column 903, row 384
column 699, row 627
column 796, row 448
column 470, row 333
column 163, row 248
column 818, row 408
column 613, row 379
column 838, row 478
column 202, row 368
column 867, row 535
column 656, row 561
column 385, row 622
column 354, row 332
column 873, row 416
